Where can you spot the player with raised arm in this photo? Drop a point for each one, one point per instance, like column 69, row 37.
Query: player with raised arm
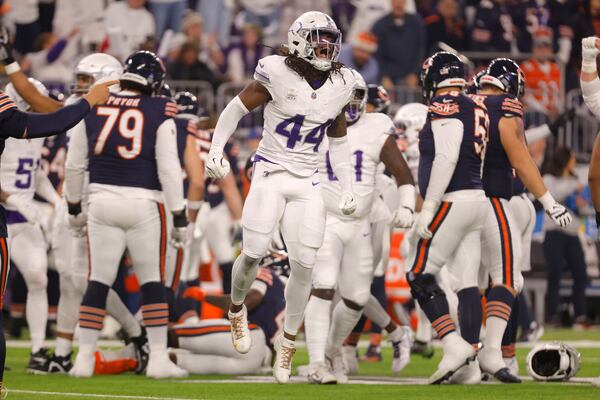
column 304, row 90
column 345, row 260
column 130, row 146
column 501, row 86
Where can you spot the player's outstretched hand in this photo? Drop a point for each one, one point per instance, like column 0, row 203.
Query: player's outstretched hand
column 404, row 217
column 179, row 237
column 217, row 166
column 194, row 292
column 559, row 215
column 589, row 47
column 424, row 220
column 99, row 93
column 347, row 203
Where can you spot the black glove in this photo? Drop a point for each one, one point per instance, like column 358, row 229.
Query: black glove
column 6, row 50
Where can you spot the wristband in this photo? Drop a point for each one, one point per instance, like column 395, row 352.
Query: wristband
column 12, row 68
column 588, row 65
column 74, row 208
column 180, row 219
column 194, row 205
column 547, row 201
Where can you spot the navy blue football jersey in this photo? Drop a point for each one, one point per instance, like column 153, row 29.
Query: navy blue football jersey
column 269, row 313
column 518, row 187
column 467, row 174
column 184, row 127
column 497, row 172
column 122, row 138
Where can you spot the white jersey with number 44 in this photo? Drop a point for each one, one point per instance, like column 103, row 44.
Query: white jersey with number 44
column 20, row 160
column 297, row 117
column 366, row 138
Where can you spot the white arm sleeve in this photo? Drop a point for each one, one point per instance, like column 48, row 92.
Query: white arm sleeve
column 169, row 168
column 447, row 136
column 591, row 95
column 44, row 188
column 339, row 156
column 538, row 133
column 76, row 163
column 227, row 123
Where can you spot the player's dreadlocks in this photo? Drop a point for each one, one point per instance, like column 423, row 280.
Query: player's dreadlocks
column 305, row 69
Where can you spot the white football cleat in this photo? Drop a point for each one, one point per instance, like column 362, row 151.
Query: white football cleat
column 402, row 340
column 491, row 361
column 83, row 366
column 457, row 352
column 350, row 360
column 240, row 334
column 282, row 368
column 160, row 366
column 469, row 374
column 336, row 365
column 320, row 374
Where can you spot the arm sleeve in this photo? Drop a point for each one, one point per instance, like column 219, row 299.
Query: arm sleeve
column 339, row 156
column 227, row 123
column 169, row 168
column 591, row 95
column 76, row 163
column 447, row 136
column 44, row 188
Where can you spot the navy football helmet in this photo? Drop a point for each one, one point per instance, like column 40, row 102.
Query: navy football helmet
column 473, row 85
column 144, row 71
column 378, row 97
column 443, row 69
column 187, row 103
column 506, row 75
column 166, row 91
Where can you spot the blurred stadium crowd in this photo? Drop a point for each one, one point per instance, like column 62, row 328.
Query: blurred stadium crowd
column 211, row 48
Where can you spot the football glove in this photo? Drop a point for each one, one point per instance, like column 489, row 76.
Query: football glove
column 559, row 215
column 217, row 166
column 179, row 237
column 6, row 52
column 347, row 203
column 78, row 224
column 404, row 217
column 589, row 51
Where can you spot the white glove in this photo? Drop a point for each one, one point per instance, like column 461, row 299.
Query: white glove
column 179, row 237
column 404, row 217
column 424, row 219
column 217, row 166
column 26, row 208
column 347, row 203
column 559, row 215
column 78, row 224
column 589, row 51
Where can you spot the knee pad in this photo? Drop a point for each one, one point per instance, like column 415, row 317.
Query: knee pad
column 255, row 244
column 302, row 254
column 36, row 279
column 424, row 287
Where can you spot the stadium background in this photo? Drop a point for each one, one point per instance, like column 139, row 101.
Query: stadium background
column 211, row 47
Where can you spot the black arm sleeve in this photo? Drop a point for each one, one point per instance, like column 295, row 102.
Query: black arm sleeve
column 23, row 125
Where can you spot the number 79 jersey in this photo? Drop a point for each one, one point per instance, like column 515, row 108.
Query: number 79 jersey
column 20, row 160
column 297, row 117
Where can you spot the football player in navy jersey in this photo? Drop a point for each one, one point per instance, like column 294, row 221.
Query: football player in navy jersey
column 130, row 149
column 501, row 86
column 447, row 231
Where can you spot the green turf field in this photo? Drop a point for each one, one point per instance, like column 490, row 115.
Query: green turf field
column 24, row 386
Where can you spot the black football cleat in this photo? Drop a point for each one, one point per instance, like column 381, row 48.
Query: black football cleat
column 504, row 376
column 142, row 351
column 60, row 364
column 38, row 362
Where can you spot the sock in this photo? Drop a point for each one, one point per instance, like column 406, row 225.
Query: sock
column 423, row 333
column 67, row 315
column 120, row 312
column 243, row 274
column 376, row 313
column 155, row 313
column 226, row 271
column 91, row 316
column 316, row 328
column 498, row 310
column 36, row 313
column 53, row 294
column 510, row 333
column 297, row 292
column 342, row 321
column 470, row 314
column 63, row 347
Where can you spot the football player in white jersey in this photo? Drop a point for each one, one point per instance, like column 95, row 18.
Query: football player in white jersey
column 346, row 258
column 304, row 90
column 21, row 178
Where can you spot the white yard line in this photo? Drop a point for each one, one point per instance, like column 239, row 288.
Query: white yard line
column 96, row 396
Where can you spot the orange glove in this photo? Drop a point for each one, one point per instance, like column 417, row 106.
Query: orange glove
column 195, row 292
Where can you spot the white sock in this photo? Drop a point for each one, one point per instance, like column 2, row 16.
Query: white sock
column 68, row 310
column 88, row 339
column 376, row 313
column 157, row 338
column 316, row 328
column 344, row 319
column 120, row 312
column 424, row 329
column 297, row 292
column 242, row 276
column 63, row 347
column 495, row 328
column 37, row 315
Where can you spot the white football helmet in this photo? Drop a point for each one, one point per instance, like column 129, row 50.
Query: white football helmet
column 356, row 106
column 409, row 120
column 553, row 362
column 96, row 67
column 315, row 38
column 21, row 103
